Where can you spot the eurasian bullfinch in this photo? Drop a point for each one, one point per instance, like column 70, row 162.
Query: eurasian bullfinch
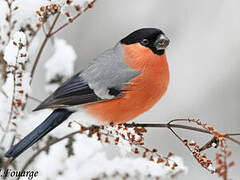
column 119, row 84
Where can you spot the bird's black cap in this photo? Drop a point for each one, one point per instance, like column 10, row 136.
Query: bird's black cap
column 147, row 37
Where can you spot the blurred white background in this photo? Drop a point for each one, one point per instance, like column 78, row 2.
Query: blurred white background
column 203, row 56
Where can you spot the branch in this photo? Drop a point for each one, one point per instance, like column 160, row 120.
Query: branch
column 72, row 19
column 175, row 134
column 50, row 34
column 47, row 36
column 34, row 35
column 12, row 103
column 169, row 125
column 34, row 99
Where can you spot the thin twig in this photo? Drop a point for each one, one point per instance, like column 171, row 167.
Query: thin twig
column 4, row 93
column 43, row 28
column 50, row 34
column 43, row 45
column 234, row 134
column 227, row 135
column 232, row 139
column 75, row 17
column 168, row 125
column 175, row 134
column 13, row 140
column 12, row 102
column 34, row 35
column 2, row 128
column 182, row 127
column 225, row 176
column 38, row 57
column 53, row 24
column 9, row 19
column 35, row 99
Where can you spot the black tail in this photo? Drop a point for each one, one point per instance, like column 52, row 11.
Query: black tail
column 53, row 120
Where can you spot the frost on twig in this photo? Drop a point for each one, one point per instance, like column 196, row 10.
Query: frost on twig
column 7, row 21
column 16, row 57
column 17, row 84
column 11, row 21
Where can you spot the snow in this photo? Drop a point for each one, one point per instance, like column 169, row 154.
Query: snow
column 4, row 111
column 15, row 54
column 8, row 86
column 26, row 82
column 12, row 52
column 20, row 37
column 91, row 161
column 123, row 143
column 82, row 3
column 62, row 61
column 51, row 87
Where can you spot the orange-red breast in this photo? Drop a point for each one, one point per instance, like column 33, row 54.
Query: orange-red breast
column 120, row 84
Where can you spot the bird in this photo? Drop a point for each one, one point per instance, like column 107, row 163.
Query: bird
column 117, row 86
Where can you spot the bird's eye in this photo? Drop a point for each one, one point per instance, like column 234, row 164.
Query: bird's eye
column 144, row 42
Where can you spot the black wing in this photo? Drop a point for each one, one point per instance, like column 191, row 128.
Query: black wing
column 74, row 91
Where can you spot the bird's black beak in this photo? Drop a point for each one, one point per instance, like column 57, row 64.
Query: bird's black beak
column 161, row 42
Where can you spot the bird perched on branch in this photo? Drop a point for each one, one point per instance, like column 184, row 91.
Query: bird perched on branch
column 120, row 84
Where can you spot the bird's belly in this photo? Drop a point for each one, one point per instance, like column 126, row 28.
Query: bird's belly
column 140, row 96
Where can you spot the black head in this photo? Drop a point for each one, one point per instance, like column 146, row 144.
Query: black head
column 152, row 38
